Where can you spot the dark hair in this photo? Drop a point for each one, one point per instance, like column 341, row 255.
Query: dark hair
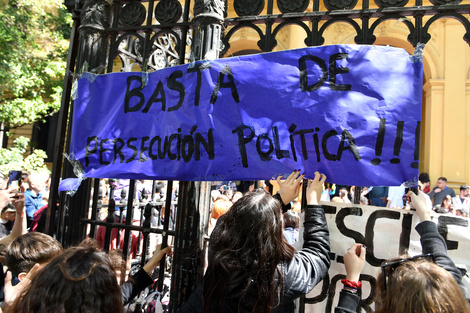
column 29, row 249
column 424, row 178
column 79, row 280
column 244, row 186
column 291, row 219
column 446, row 197
column 8, row 206
column 443, row 179
column 159, row 186
column 247, row 242
column 419, row 287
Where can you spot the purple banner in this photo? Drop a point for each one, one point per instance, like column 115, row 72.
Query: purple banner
column 350, row 111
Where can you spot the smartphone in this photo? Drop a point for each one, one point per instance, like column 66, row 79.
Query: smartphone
column 14, row 179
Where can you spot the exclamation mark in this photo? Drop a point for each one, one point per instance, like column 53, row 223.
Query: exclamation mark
column 398, row 142
column 415, row 164
column 380, row 142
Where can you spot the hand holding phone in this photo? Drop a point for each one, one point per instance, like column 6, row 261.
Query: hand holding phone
column 14, row 179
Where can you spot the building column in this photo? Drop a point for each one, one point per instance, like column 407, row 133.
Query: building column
column 455, row 118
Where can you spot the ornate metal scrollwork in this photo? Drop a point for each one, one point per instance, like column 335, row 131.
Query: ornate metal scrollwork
column 340, row 4
column 390, row 3
column 168, row 11
column 95, row 13
column 288, row 6
column 210, row 6
column 164, row 53
column 93, row 42
column 133, row 14
column 248, row 7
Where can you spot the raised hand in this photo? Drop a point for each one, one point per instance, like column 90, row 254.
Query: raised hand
column 315, row 188
column 290, row 188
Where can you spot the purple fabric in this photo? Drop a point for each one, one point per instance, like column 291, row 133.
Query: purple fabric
column 350, row 111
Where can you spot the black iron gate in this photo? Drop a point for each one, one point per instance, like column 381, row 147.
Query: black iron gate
column 132, row 35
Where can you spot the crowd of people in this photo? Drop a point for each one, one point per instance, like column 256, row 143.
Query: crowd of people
column 441, row 198
column 253, row 262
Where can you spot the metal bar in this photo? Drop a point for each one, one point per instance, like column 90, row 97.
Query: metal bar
column 62, row 129
column 109, row 225
column 127, row 245
column 326, row 15
column 112, row 40
column 146, row 224
column 357, row 194
column 130, row 227
column 166, row 223
column 94, row 205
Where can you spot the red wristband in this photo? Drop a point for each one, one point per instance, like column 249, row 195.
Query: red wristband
column 352, row 284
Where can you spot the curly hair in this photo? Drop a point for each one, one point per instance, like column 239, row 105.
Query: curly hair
column 247, row 244
column 80, row 280
column 420, row 287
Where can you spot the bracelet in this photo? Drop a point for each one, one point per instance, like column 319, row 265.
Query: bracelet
column 352, row 284
column 20, row 213
column 350, row 290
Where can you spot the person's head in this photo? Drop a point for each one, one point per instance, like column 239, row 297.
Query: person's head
column 446, row 202
column 441, row 182
column 424, row 178
column 81, row 279
column 9, row 212
column 117, row 261
column 237, row 195
column 248, row 239
column 464, row 191
column 220, row 207
column 37, row 181
column 418, row 286
column 460, row 212
column 29, row 249
column 246, row 186
column 291, row 219
column 214, row 195
column 337, row 199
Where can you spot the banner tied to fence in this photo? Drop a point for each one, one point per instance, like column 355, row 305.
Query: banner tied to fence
column 350, row 111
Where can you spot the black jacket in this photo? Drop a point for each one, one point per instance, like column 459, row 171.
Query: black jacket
column 299, row 276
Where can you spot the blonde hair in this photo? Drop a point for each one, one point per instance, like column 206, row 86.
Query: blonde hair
column 419, row 287
column 220, row 208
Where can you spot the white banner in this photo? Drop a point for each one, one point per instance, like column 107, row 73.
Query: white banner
column 387, row 233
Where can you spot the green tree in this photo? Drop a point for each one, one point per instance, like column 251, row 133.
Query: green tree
column 13, row 159
column 33, row 41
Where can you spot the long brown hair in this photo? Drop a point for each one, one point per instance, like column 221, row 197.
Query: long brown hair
column 419, row 287
column 246, row 243
column 77, row 281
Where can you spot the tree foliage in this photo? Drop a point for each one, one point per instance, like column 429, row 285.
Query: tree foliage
column 13, row 159
column 33, row 37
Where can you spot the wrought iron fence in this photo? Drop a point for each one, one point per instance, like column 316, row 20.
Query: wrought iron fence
column 110, row 36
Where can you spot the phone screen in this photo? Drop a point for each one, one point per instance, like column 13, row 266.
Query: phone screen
column 14, row 178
